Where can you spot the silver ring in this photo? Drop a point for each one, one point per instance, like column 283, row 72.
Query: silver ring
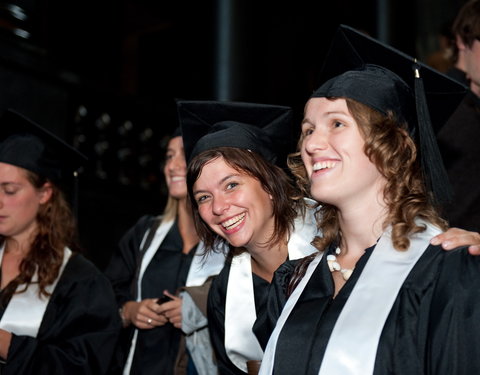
column 149, row 321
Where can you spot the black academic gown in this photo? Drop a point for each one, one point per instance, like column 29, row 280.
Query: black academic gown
column 433, row 327
column 216, row 316
column 157, row 348
column 79, row 329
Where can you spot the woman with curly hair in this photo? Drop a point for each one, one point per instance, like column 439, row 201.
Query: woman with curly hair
column 57, row 311
column 378, row 298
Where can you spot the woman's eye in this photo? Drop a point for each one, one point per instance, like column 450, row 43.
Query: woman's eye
column 201, row 198
column 337, row 124
column 231, row 185
column 307, row 131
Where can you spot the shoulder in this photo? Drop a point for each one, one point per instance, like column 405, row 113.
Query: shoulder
column 80, row 269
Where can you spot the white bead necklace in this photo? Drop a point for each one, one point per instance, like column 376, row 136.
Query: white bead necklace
column 336, row 267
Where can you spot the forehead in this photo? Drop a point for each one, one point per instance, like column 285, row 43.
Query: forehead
column 325, row 106
column 11, row 173
column 175, row 143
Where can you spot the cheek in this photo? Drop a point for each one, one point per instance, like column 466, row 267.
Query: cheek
column 203, row 212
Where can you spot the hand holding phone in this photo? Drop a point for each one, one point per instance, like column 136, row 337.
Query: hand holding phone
column 164, row 299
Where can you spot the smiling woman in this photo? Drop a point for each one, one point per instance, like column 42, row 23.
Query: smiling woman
column 368, row 155
column 240, row 197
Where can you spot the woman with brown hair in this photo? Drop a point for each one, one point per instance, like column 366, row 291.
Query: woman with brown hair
column 241, row 198
column 57, row 311
column 378, row 298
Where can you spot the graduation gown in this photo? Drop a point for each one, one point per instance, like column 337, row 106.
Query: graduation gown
column 167, row 268
column 244, row 295
column 79, row 329
column 432, row 326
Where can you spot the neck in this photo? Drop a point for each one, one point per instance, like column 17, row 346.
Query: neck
column 266, row 260
column 21, row 243
column 361, row 225
column 186, row 225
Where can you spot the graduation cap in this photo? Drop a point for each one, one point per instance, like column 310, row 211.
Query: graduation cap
column 26, row 144
column 262, row 128
column 385, row 79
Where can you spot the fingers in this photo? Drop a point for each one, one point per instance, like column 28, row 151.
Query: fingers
column 474, row 250
column 456, row 237
column 147, row 316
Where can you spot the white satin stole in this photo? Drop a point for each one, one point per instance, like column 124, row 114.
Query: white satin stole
column 241, row 345
column 353, row 344
column 24, row 313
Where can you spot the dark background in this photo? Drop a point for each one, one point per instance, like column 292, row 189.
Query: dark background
column 104, row 74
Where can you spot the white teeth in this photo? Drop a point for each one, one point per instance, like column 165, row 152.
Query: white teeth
column 178, row 178
column 323, row 165
column 233, row 222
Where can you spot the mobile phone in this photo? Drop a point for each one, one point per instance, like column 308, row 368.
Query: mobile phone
column 164, row 299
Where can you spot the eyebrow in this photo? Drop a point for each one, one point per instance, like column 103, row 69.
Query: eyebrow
column 219, row 182
column 326, row 114
column 10, row 183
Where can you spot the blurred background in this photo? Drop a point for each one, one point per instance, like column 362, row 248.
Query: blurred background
column 104, row 75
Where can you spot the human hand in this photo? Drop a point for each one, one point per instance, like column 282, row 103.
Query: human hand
column 172, row 309
column 455, row 237
column 144, row 314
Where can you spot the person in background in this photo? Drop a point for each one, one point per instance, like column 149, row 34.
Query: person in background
column 57, row 311
column 378, row 298
column 155, row 258
column 241, row 197
column 457, row 139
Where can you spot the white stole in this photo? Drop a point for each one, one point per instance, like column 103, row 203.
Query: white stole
column 353, row 344
column 203, row 267
column 24, row 313
column 241, row 344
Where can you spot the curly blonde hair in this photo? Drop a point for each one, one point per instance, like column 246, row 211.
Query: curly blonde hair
column 390, row 147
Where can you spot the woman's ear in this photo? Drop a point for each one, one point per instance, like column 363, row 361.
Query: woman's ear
column 45, row 192
column 460, row 44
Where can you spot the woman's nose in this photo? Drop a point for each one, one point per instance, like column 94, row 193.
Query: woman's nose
column 318, row 140
column 220, row 205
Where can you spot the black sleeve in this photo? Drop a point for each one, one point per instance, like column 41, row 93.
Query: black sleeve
column 216, row 322
column 123, row 264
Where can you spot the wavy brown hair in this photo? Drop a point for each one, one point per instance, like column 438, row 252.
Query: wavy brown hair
column 389, row 146
column 56, row 229
column 286, row 200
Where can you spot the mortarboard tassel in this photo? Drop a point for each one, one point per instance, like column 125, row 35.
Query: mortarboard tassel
column 435, row 175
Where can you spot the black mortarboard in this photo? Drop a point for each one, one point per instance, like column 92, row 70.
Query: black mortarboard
column 25, row 144
column 261, row 128
column 361, row 68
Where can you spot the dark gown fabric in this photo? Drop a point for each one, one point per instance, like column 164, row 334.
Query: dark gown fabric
column 79, row 329
column 433, row 327
column 216, row 316
column 156, row 349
